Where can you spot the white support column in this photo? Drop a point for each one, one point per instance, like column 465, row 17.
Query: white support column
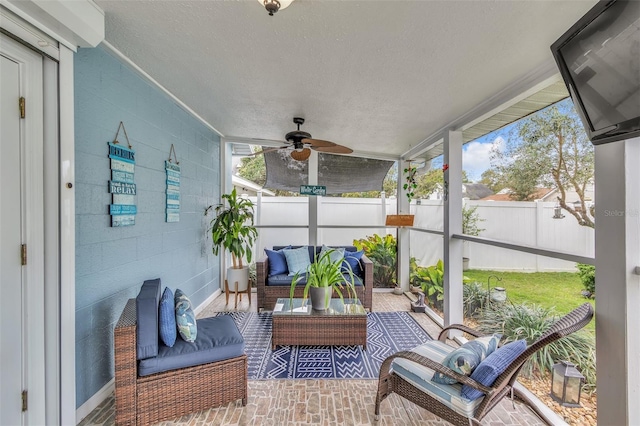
column 617, row 286
column 313, row 200
column 383, row 207
column 404, row 247
column 452, row 225
column 257, row 221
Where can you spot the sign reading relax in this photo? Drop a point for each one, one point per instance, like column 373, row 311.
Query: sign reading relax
column 313, row 190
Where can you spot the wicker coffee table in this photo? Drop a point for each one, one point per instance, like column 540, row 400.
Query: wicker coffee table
column 342, row 324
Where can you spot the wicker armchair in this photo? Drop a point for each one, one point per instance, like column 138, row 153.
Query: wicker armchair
column 390, row 382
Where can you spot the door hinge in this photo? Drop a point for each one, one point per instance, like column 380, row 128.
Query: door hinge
column 21, row 103
column 24, row 400
column 23, row 254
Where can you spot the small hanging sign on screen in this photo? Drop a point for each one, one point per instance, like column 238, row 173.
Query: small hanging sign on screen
column 313, row 190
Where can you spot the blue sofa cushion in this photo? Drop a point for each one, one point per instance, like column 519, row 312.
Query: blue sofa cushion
column 277, row 261
column 311, row 249
column 357, row 281
column 167, row 314
column 297, row 260
column 352, row 258
column 285, row 280
column 185, row 317
column 493, row 366
column 147, row 303
column 218, row 339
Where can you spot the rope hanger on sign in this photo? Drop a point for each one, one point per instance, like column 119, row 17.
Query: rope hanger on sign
column 175, row 156
column 115, row 139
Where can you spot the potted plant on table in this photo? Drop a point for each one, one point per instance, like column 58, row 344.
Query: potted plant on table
column 233, row 229
column 324, row 276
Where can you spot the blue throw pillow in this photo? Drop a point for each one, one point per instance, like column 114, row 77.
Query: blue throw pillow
column 297, row 260
column 352, row 258
column 277, row 261
column 495, row 364
column 167, row 320
column 467, row 357
column 185, row 318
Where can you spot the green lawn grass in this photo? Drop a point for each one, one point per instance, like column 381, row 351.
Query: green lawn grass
column 558, row 290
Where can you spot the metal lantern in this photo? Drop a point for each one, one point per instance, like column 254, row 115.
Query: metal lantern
column 566, row 384
column 498, row 294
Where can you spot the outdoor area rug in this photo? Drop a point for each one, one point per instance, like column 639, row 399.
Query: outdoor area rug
column 387, row 333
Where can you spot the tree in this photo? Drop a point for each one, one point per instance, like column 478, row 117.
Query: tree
column 493, row 179
column 550, row 148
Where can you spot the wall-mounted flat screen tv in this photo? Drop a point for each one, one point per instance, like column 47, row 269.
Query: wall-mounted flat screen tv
column 599, row 59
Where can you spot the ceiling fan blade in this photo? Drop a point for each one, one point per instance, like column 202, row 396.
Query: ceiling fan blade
column 301, row 155
column 317, row 142
column 337, row 149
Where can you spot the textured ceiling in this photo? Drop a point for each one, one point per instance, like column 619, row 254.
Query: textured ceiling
column 377, row 76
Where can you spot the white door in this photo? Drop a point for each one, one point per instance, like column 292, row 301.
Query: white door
column 21, row 289
column 11, row 344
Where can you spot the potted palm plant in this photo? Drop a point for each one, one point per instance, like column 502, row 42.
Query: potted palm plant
column 324, row 276
column 233, row 230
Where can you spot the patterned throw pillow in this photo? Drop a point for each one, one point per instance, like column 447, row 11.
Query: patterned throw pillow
column 277, row 261
column 185, row 318
column 467, row 357
column 334, row 255
column 167, row 318
column 352, row 258
column 297, row 260
column 495, row 364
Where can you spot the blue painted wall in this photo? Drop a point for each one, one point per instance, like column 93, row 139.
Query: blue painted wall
column 112, row 263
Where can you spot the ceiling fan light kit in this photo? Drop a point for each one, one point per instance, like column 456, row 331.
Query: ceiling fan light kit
column 273, row 6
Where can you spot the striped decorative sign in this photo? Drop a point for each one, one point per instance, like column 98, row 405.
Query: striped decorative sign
column 122, row 188
column 173, row 192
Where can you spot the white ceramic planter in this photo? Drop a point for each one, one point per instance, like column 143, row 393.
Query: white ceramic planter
column 238, row 275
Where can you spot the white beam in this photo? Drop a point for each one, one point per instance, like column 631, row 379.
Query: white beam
column 403, row 234
column 452, row 225
column 617, row 287
column 313, row 200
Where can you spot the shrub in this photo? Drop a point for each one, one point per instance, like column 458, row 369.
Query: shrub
column 587, row 274
column 529, row 322
column 382, row 252
column 474, row 297
column 430, row 280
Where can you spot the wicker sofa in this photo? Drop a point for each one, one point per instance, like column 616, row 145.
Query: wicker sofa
column 183, row 379
column 272, row 287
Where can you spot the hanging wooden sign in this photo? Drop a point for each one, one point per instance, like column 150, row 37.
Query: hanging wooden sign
column 122, row 188
column 173, row 187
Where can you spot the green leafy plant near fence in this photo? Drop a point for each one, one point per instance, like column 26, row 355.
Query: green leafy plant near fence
column 430, row 279
column 382, row 251
column 587, row 274
column 526, row 321
column 474, row 298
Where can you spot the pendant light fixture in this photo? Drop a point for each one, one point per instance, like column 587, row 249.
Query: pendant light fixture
column 273, row 6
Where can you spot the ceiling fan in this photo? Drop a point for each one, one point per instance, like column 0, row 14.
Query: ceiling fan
column 302, row 144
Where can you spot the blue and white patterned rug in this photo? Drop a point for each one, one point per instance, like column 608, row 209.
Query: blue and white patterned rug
column 387, row 333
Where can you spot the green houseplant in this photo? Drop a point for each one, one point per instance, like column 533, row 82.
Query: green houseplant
column 324, row 276
column 382, row 251
column 233, row 230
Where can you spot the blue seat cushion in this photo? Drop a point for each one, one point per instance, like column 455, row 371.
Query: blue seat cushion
column 218, row 339
column 421, row 377
column 147, row 303
column 285, row 280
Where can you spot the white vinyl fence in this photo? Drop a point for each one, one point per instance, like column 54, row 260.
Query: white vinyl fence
column 526, row 223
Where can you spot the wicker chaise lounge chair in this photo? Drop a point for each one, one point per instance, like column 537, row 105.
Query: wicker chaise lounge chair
column 458, row 410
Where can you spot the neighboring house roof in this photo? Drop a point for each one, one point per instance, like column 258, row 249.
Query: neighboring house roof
column 245, row 185
column 475, row 191
column 505, row 195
